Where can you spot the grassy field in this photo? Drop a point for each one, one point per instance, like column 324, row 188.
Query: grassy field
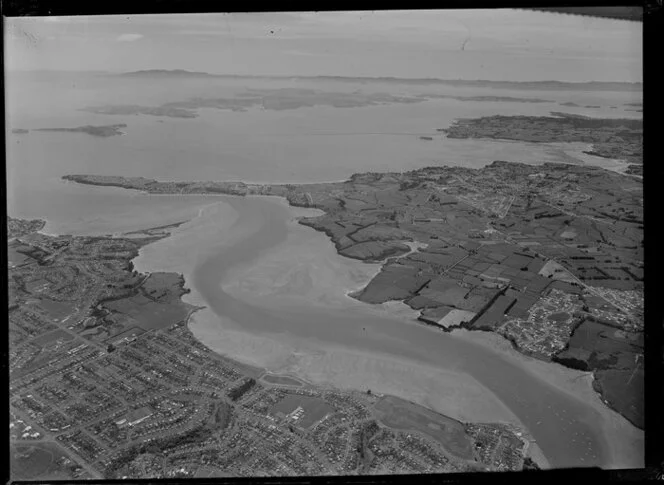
column 14, row 257
column 38, row 462
column 149, row 314
column 314, row 408
column 57, row 309
column 403, row 415
column 157, row 304
column 51, row 337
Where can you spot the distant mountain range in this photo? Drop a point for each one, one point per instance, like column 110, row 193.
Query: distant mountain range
column 533, row 85
column 170, row 73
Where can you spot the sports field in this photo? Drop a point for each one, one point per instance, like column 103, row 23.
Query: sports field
column 51, row 338
column 57, row 310
column 41, row 461
column 314, row 408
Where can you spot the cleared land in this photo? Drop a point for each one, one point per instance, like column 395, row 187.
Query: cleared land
column 156, row 305
column 400, row 414
column 41, row 461
column 313, row 409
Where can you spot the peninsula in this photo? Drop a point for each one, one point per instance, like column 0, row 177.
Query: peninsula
column 611, row 137
column 20, row 227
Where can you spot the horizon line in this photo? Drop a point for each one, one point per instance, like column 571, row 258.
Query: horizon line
column 311, row 76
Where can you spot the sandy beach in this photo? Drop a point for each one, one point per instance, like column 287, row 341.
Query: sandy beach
column 306, row 268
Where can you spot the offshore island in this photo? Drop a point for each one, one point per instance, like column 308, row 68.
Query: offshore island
column 103, row 131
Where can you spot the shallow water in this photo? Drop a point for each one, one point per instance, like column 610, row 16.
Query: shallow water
column 565, row 428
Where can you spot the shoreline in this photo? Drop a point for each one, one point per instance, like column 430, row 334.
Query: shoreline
column 578, row 384
column 561, row 151
column 347, row 369
column 587, row 392
column 457, row 395
column 319, row 369
column 315, row 376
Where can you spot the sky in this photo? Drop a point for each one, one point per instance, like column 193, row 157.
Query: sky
column 497, row 44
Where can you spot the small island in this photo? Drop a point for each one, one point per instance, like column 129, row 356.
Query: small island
column 100, row 131
column 131, row 109
column 482, row 99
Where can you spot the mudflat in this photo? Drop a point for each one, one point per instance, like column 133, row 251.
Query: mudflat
column 346, row 343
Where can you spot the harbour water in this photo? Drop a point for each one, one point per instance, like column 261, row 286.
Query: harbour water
column 565, row 428
column 302, row 145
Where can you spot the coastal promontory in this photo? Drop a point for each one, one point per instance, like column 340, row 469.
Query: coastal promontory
column 615, row 138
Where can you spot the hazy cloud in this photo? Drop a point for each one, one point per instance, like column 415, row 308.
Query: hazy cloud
column 298, row 52
column 464, row 44
column 129, row 37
